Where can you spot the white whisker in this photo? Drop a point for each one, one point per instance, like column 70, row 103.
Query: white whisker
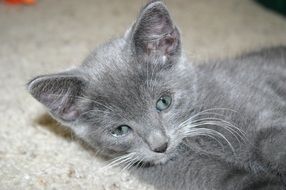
column 130, row 163
column 205, row 131
column 235, row 131
column 119, row 160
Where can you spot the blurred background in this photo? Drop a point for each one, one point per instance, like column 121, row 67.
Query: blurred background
column 45, row 36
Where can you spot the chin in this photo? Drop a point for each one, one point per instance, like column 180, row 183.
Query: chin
column 160, row 159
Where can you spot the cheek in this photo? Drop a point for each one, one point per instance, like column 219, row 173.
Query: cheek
column 170, row 119
column 117, row 144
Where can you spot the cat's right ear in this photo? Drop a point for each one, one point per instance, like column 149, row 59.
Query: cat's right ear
column 154, row 33
column 59, row 93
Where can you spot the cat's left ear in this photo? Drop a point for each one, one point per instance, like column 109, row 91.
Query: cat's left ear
column 154, row 32
column 60, row 94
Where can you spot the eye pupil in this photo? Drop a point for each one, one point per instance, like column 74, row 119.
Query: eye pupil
column 120, row 130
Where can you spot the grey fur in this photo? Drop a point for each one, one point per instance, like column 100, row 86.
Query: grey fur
column 225, row 129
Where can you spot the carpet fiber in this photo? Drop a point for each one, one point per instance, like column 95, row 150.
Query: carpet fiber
column 35, row 153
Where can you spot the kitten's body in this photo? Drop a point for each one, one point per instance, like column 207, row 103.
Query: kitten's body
column 253, row 85
column 224, row 127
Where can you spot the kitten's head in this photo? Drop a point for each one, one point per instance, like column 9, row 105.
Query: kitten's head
column 128, row 96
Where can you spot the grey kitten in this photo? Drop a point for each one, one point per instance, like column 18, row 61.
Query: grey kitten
column 174, row 123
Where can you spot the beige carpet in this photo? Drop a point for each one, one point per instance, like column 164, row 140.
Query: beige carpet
column 56, row 34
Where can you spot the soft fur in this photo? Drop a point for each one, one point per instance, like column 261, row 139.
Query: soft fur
column 225, row 127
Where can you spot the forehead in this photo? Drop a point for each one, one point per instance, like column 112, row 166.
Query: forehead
column 127, row 89
column 120, row 81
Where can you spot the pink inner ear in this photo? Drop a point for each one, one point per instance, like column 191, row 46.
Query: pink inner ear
column 167, row 44
column 70, row 115
column 60, row 105
column 151, row 46
column 160, row 27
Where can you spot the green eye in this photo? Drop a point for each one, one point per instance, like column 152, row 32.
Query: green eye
column 164, row 102
column 121, row 131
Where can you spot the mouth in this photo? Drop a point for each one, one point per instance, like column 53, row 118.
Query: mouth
column 159, row 159
column 171, row 154
column 134, row 160
column 163, row 160
column 144, row 159
column 150, row 163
